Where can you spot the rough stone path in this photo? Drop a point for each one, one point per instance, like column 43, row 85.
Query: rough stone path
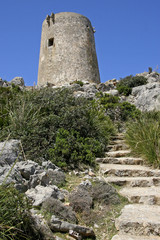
column 139, row 220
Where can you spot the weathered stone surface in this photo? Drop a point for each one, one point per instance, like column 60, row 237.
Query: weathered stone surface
column 56, row 177
column 40, row 226
column 18, row 81
column 121, row 160
column 131, row 237
column 102, row 87
column 117, row 147
column 8, row 175
column 49, row 165
column 9, row 151
column 128, row 170
column 60, row 210
column 104, row 193
column 62, row 226
column 67, row 50
column 39, row 194
column 146, row 97
column 147, row 195
column 81, row 200
column 113, row 92
column 27, row 168
column 134, row 181
column 138, row 219
column 120, row 153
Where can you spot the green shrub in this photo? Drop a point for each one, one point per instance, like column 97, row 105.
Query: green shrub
column 123, row 89
column 7, row 95
column 126, row 84
column 143, row 136
column 78, row 82
column 116, row 110
column 15, row 222
column 72, row 149
column 36, row 117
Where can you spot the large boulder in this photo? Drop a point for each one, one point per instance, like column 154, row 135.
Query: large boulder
column 146, row 97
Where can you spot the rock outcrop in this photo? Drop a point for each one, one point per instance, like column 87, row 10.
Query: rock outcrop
column 147, row 97
column 17, row 81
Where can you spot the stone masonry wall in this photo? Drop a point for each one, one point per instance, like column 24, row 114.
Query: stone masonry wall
column 67, row 51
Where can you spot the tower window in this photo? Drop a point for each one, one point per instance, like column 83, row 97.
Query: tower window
column 50, row 42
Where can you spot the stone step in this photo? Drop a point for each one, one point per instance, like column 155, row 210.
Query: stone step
column 121, row 160
column 118, row 141
column 134, row 181
column 138, row 219
column 118, row 137
column 119, row 146
column 121, row 153
column 130, row 237
column 128, row 170
column 145, row 195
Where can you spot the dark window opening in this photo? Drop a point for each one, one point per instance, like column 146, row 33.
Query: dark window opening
column 50, row 42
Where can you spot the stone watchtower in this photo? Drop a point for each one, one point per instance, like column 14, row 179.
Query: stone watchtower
column 67, row 50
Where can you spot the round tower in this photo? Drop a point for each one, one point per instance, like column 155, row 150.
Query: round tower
column 67, row 51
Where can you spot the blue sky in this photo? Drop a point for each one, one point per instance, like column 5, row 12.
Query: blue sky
column 127, row 35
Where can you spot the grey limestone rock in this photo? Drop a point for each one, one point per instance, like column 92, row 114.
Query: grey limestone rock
column 103, row 87
column 57, row 225
column 9, row 151
column 18, row 81
column 8, row 175
column 113, row 92
column 146, row 97
column 60, row 210
column 39, row 194
column 40, row 226
column 27, row 168
column 49, row 165
column 81, row 199
column 104, row 193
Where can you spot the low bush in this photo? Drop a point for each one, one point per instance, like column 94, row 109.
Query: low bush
column 116, row 110
column 143, row 136
column 15, row 222
column 78, row 82
column 126, row 84
column 36, row 118
column 70, row 148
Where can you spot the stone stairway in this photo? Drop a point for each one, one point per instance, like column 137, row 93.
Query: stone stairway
column 139, row 220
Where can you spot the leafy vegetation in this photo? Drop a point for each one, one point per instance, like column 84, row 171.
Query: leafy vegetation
column 126, row 84
column 54, row 124
column 116, row 110
column 78, row 82
column 15, row 222
column 143, row 136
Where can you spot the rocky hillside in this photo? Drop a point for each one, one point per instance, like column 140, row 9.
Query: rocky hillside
column 59, row 156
